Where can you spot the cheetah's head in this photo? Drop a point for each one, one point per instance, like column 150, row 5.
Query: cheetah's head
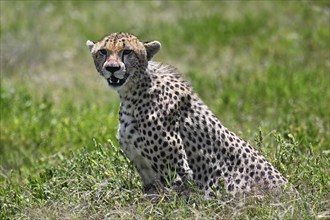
column 120, row 56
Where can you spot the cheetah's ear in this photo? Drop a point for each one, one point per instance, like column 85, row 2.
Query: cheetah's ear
column 90, row 45
column 152, row 47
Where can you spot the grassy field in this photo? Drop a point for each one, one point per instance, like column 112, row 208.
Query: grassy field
column 262, row 67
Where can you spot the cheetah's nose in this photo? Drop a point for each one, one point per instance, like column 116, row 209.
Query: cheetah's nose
column 112, row 68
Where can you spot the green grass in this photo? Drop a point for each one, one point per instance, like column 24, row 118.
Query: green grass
column 262, row 67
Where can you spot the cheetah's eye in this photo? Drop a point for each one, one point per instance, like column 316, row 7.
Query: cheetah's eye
column 103, row 52
column 126, row 52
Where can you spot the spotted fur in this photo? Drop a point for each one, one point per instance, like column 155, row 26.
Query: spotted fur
column 166, row 129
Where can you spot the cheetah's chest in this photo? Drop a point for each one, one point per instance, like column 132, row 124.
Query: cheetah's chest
column 128, row 133
column 132, row 144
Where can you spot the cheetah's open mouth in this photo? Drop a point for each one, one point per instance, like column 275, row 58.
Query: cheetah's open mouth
column 116, row 82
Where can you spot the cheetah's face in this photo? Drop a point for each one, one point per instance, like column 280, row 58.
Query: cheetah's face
column 120, row 56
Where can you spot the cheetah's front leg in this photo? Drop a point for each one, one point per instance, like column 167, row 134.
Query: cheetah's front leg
column 163, row 148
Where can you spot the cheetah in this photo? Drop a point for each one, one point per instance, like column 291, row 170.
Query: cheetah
column 167, row 131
